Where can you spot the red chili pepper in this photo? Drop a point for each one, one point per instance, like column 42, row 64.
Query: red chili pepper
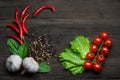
column 24, row 11
column 24, row 28
column 43, row 8
column 16, row 38
column 13, row 27
column 20, row 28
column 16, row 14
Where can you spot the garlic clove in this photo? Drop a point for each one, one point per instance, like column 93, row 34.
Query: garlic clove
column 13, row 63
column 30, row 65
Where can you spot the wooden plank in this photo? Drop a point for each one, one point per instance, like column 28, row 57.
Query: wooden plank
column 85, row 9
column 43, row 78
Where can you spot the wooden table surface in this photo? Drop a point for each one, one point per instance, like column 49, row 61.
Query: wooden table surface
column 73, row 17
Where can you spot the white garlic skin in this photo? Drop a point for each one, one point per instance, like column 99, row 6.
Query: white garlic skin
column 13, row 63
column 30, row 65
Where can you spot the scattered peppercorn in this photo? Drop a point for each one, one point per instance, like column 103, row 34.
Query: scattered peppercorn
column 40, row 48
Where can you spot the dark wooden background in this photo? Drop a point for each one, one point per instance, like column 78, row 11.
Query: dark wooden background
column 73, row 17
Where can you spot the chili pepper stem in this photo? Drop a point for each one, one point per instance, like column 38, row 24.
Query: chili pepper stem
column 21, row 19
column 22, row 38
column 27, row 33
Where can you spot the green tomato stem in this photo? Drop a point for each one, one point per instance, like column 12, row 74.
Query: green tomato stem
column 98, row 51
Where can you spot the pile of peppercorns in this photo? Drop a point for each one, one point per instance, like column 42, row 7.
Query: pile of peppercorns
column 40, row 49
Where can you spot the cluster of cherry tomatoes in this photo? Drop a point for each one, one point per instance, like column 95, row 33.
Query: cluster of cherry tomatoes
column 99, row 50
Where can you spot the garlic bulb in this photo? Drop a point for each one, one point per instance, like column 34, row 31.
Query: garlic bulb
column 13, row 63
column 30, row 65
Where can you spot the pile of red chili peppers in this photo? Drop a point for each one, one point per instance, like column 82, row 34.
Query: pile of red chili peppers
column 20, row 22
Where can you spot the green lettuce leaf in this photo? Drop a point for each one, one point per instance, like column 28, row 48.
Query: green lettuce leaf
column 73, row 58
column 80, row 45
column 69, row 56
column 71, row 61
column 77, row 69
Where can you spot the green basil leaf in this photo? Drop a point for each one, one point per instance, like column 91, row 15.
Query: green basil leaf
column 12, row 46
column 22, row 51
column 43, row 67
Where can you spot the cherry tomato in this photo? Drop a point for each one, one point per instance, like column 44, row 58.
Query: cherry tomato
column 97, row 67
column 93, row 48
column 90, row 56
column 100, row 58
column 104, row 35
column 104, row 50
column 108, row 43
column 88, row 65
column 97, row 40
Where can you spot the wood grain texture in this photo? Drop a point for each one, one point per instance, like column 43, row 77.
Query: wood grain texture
column 79, row 17
column 66, row 9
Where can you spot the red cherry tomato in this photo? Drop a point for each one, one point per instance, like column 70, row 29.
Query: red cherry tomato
column 90, row 56
column 97, row 67
column 104, row 35
column 104, row 50
column 97, row 40
column 93, row 48
column 108, row 43
column 100, row 58
column 88, row 65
